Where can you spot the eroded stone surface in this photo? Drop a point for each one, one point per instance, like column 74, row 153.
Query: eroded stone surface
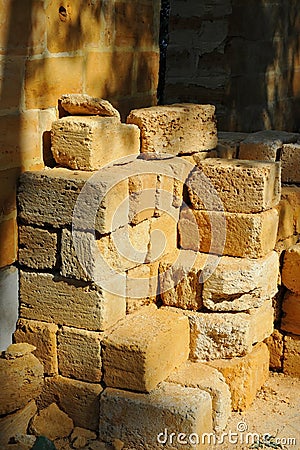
column 290, row 321
column 291, row 359
column 16, row 423
column 83, row 104
column 52, row 423
column 265, row 145
column 290, row 269
column 37, row 247
column 176, row 129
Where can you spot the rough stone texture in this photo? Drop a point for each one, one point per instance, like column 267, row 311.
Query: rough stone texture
column 48, row 197
column 142, row 191
column 286, row 225
column 290, row 163
column 126, row 247
column 179, row 283
column 80, row 437
column 229, row 143
column 265, row 145
column 141, row 286
column 83, row 104
column 247, row 235
column 176, row 129
column 52, row 299
column 18, row 350
column 292, row 195
column 290, row 321
column 290, row 269
column 201, row 376
column 16, row 423
column 79, row 354
column 43, row 336
column 37, row 248
column 238, row 284
column 245, row 375
column 78, row 399
column 52, row 423
column 286, row 244
column 163, row 236
column 226, row 335
column 89, row 143
column 144, row 348
column 21, row 380
column 242, row 186
column 275, row 346
column 291, row 361
column 140, row 420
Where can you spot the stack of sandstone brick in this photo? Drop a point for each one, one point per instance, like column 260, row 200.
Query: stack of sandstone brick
column 162, row 346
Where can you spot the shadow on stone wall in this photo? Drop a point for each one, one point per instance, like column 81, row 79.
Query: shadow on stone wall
column 241, row 56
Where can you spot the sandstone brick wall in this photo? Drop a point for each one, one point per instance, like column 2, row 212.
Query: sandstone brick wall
column 49, row 48
column 241, row 56
column 107, row 49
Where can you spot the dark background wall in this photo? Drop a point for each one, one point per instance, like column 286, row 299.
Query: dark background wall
column 241, row 55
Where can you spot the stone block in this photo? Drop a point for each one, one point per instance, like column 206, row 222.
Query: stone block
column 292, row 195
column 239, row 186
column 16, row 423
column 144, row 348
column 247, row 235
column 290, row 321
column 85, row 105
column 286, row 244
column 169, row 417
column 21, row 381
column 37, row 247
column 163, row 236
column 91, row 142
column 201, row 376
column 148, row 70
column 286, row 226
column 142, row 191
column 291, row 357
column 52, row 423
column 229, row 143
column 43, row 336
column 275, row 346
column 79, row 354
column 290, row 270
column 53, row 299
column 245, row 375
column 239, row 284
column 176, row 129
column 48, row 197
column 265, row 145
column 290, row 163
column 141, row 286
column 226, row 335
column 179, row 280
column 78, row 399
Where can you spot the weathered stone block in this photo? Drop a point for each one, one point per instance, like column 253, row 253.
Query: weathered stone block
column 141, row 286
column 275, row 346
column 239, row 284
column 286, row 226
column 265, row 145
column 241, row 186
column 201, row 376
column 169, row 417
column 229, row 143
column 292, row 195
column 9, row 242
column 48, row 298
column 290, row 321
column 290, row 270
column 291, row 357
column 247, row 235
column 16, row 423
column 43, row 336
column 79, row 354
column 245, row 375
column 49, row 197
column 52, row 423
column 226, row 335
column 91, row 142
column 163, row 235
column 78, row 399
column 176, row 129
column 37, row 247
column 179, row 283
column 144, row 348
column 83, row 104
column 21, row 380
column 290, row 163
